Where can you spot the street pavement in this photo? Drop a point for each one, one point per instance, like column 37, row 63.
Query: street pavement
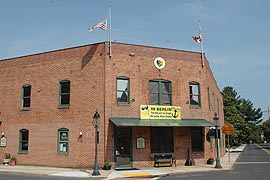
column 226, row 162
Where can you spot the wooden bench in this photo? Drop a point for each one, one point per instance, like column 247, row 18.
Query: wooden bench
column 164, row 159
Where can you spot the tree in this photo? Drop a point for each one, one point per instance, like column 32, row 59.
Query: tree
column 266, row 129
column 242, row 115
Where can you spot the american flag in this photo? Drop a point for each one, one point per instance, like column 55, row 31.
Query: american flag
column 102, row 25
column 197, row 39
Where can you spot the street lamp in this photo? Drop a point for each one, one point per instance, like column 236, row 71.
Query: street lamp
column 216, row 118
column 96, row 123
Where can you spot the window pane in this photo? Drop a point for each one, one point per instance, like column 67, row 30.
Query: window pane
column 24, row 146
column 194, row 100
column 122, row 84
column 153, row 87
column 24, row 135
column 154, row 99
column 26, row 91
column 165, row 99
column 26, row 102
column 63, row 136
column 65, row 87
column 165, row 87
column 122, row 97
column 65, row 99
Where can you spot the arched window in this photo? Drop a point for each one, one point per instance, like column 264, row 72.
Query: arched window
column 23, row 140
column 64, row 93
column 63, row 140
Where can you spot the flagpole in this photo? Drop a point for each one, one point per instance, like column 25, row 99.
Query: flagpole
column 110, row 31
column 201, row 43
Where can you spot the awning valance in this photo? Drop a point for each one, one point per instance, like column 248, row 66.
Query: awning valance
column 124, row 121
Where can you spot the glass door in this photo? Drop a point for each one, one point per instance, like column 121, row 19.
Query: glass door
column 123, row 147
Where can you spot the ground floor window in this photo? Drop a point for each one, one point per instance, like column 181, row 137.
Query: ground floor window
column 63, row 140
column 23, row 143
column 196, row 139
column 161, row 139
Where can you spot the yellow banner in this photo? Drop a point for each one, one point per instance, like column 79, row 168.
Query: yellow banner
column 160, row 112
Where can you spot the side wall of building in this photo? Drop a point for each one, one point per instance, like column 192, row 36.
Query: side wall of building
column 83, row 67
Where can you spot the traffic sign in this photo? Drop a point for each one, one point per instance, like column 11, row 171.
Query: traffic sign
column 228, row 129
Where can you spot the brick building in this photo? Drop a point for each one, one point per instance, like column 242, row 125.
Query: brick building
column 48, row 101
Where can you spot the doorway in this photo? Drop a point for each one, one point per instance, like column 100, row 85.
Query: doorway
column 123, row 147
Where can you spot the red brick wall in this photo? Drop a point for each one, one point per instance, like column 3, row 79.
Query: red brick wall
column 93, row 85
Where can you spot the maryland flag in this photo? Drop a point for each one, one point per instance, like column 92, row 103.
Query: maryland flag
column 197, row 39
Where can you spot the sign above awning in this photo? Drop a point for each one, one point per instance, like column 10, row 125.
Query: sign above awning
column 160, row 112
column 123, row 121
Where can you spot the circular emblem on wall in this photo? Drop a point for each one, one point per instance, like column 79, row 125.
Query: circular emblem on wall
column 159, row 63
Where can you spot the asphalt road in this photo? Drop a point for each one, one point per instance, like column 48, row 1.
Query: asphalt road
column 252, row 164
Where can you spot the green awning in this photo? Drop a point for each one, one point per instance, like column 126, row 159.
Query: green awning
column 123, row 121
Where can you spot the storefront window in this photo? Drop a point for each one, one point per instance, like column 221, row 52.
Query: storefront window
column 197, row 139
column 161, row 140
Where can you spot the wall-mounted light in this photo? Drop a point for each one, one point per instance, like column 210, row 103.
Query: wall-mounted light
column 3, row 134
column 80, row 134
column 132, row 54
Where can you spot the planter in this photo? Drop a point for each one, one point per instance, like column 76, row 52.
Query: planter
column 12, row 163
column 107, row 167
column 210, row 161
column 6, row 161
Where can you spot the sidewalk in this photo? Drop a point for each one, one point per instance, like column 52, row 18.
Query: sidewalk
column 112, row 174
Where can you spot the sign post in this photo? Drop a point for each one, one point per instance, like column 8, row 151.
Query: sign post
column 228, row 130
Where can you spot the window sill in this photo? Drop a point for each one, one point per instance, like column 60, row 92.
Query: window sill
column 23, row 152
column 25, row 109
column 195, row 106
column 63, row 107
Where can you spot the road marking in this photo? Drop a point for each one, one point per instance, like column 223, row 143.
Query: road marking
column 265, row 150
column 252, row 162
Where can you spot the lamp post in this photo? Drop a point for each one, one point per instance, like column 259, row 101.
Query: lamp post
column 218, row 165
column 96, row 123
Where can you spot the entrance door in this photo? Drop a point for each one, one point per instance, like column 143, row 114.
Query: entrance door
column 123, row 147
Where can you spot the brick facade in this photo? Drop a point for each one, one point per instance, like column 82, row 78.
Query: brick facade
column 92, row 75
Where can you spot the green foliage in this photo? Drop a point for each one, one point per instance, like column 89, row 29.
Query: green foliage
column 242, row 115
column 266, row 129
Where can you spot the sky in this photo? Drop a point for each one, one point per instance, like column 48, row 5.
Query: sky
column 236, row 33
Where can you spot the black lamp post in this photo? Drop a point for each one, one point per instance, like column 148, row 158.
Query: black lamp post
column 96, row 123
column 218, row 165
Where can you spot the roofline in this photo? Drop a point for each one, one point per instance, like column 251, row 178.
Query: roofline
column 74, row 47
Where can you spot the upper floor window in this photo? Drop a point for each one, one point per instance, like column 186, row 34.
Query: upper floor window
column 23, row 141
column 160, row 92
column 26, row 96
column 122, row 92
column 194, row 94
column 63, row 136
column 64, row 94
